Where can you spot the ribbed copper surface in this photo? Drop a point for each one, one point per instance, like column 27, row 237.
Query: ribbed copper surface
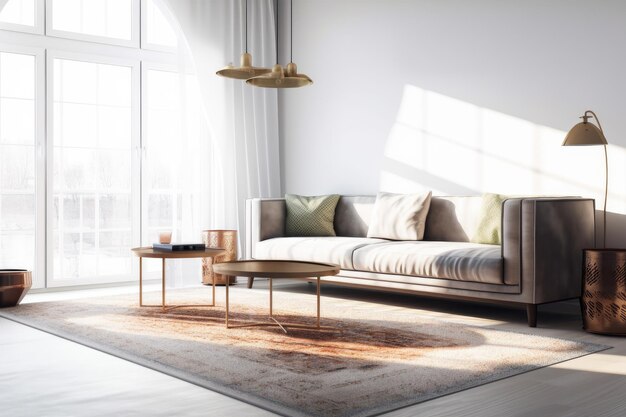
column 224, row 239
column 14, row 284
column 604, row 291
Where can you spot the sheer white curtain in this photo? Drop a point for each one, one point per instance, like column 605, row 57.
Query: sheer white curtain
column 243, row 152
column 243, row 120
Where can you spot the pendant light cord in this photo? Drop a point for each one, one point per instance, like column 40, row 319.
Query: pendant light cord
column 291, row 29
column 277, row 31
column 246, row 31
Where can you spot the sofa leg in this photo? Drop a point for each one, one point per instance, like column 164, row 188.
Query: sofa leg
column 531, row 313
column 250, row 281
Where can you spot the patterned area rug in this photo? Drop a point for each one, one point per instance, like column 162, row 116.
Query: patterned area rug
column 368, row 365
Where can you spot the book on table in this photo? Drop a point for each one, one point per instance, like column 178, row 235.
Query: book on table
column 176, row 247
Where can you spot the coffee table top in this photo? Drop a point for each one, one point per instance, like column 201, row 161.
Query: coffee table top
column 148, row 252
column 276, row 269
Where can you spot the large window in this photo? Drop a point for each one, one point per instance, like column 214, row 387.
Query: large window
column 84, row 174
column 91, row 191
column 17, row 160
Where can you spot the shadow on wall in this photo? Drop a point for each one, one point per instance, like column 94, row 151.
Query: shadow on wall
column 453, row 147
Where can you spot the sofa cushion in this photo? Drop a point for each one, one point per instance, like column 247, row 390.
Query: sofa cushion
column 461, row 261
column 399, row 216
column 335, row 250
column 310, row 216
column 489, row 229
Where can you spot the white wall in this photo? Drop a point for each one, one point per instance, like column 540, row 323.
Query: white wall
column 458, row 97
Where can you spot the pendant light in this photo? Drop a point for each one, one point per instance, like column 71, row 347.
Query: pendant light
column 245, row 69
column 280, row 78
column 291, row 73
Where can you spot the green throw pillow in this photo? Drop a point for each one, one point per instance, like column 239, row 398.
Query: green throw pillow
column 489, row 230
column 311, row 216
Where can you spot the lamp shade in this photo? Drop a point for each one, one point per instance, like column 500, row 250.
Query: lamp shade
column 584, row 134
column 272, row 79
column 244, row 71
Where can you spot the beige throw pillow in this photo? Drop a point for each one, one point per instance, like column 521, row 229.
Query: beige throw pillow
column 399, row 216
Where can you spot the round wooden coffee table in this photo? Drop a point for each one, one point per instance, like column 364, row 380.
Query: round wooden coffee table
column 274, row 270
column 148, row 252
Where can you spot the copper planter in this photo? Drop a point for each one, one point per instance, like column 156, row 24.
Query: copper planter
column 604, row 291
column 14, row 284
column 224, row 239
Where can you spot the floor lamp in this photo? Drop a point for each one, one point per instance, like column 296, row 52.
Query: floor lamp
column 604, row 270
column 588, row 134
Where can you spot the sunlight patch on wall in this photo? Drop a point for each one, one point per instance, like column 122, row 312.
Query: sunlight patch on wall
column 449, row 146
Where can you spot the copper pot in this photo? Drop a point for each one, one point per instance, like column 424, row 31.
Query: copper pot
column 224, row 239
column 14, row 284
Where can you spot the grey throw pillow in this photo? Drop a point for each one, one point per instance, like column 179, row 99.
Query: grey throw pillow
column 399, row 216
column 310, row 216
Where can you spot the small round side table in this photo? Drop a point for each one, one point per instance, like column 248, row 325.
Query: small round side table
column 603, row 302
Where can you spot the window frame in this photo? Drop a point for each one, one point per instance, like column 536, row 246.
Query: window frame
column 136, row 156
column 133, row 42
column 39, row 274
column 37, row 29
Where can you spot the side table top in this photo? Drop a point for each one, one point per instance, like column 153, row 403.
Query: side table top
column 148, row 252
column 276, row 269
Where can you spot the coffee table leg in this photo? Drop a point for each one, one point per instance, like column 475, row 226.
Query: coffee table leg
column 163, row 284
column 227, row 281
column 271, row 299
column 140, row 282
column 318, row 302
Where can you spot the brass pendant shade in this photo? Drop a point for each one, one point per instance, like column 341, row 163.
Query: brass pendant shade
column 244, row 71
column 279, row 77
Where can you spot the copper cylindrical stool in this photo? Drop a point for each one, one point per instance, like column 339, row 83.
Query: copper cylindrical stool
column 14, row 284
column 224, row 239
column 604, row 291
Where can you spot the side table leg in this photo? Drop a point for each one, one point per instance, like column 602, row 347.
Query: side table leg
column 318, row 302
column 163, row 283
column 213, row 302
column 227, row 280
column 140, row 281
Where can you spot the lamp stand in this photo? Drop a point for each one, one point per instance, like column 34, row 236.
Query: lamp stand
column 606, row 190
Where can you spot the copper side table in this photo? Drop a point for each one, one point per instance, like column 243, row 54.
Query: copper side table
column 603, row 302
column 224, row 239
column 148, row 252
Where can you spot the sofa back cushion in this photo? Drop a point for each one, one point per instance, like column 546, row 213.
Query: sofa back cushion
column 451, row 219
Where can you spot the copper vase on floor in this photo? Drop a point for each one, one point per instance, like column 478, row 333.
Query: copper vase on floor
column 227, row 240
column 14, row 284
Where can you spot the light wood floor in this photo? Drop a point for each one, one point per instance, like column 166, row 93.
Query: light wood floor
column 44, row 375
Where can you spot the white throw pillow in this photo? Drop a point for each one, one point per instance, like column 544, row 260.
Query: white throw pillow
column 399, row 216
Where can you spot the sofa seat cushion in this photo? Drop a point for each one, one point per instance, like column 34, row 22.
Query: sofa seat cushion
column 462, row 261
column 334, row 250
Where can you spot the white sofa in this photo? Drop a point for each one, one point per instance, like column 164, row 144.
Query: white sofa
column 539, row 260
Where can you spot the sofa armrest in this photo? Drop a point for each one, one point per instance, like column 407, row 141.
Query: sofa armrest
column 543, row 242
column 265, row 219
